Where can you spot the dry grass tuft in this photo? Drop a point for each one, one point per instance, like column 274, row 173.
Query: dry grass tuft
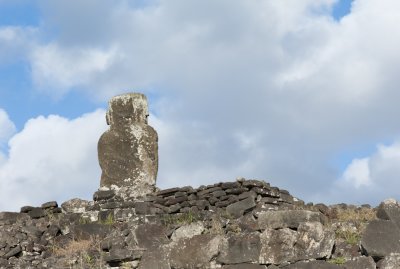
column 356, row 214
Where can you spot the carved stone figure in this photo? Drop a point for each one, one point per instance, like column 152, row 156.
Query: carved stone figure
column 128, row 151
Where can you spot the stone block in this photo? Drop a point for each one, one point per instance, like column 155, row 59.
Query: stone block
column 381, row 238
column 286, row 218
column 243, row 248
column 391, row 261
column 237, row 209
column 196, row 252
column 244, row 266
column 364, row 263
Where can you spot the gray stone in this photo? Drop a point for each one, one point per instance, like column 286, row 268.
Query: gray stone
column 363, row 263
column 151, row 235
column 154, row 258
column 277, row 246
column 244, row 266
column 381, row 238
column 195, row 252
column 50, row 204
column 311, row 241
column 237, row 209
column 103, row 195
column 389, row 210
column 26, row 209
column 188, row 231
column 390, row 262
column 90, row 230
column 286, row 218
column 13, row 252
column 243, row 248
column 12, row 217
column 75, row 205
column 313, row 265
column 122, row 255
column 128, row 151
column 37, row 213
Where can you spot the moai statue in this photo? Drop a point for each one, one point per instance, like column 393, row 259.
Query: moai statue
column 128, row 151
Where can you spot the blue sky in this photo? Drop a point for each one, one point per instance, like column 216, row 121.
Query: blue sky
column 301, row 94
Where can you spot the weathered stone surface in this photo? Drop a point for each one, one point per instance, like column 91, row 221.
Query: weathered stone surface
column 151, row 235
column 90, row 230
column 244, row 248
column 121, row 255
column 237, row 209
column 313, row 242
column 277, row 246
column 11, row 217
column 195, row 252
column 188, row 231
column 36, row 213
column 390, row 262
column 313, row 265
column 244, row 266
column 362, row 263
column 286, row 218
column 128, row 151
column 14, row 251
column 381, row 238
column 154, row 258
column 50, row 204
column 389, row 210
column 103, row 195
column 310, row 241
column 75, row 205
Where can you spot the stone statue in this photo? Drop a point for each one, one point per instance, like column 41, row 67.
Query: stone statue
column 128, row 151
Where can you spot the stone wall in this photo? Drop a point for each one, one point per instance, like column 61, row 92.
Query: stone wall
column 245, row 224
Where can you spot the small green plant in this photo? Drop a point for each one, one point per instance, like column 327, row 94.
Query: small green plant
column 349, row 236
column 338, row 260
column 83, row 220
column 109, row 220
column 180, row 218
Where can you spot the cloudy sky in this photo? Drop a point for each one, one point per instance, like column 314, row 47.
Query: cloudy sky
column 301, row 93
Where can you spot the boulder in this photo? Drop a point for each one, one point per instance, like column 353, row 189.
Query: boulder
column 286, row 218
column 240, row 248
column 362, row 263
column 195, row 252
column 75, row 205
column 381, row 238
column 390, row 262
column 237, row 209
column 389, row 210
column 244, row 266
column 310, row 241
column 277, row 246
column 128, row 151
column 313, row 265
column 151, row 235
column 154, row 258
column 188, row 231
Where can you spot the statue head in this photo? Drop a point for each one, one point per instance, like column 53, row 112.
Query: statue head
column 127, row 109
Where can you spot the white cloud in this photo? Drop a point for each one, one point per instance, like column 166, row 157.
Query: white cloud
column 375, row 176
column 267, row 89
column 15, row 43
column 55, row 68
column 7, row 127
column 358, row 173
column 52, row 158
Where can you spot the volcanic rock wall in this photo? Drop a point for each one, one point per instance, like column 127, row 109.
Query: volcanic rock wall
column 246, row 224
